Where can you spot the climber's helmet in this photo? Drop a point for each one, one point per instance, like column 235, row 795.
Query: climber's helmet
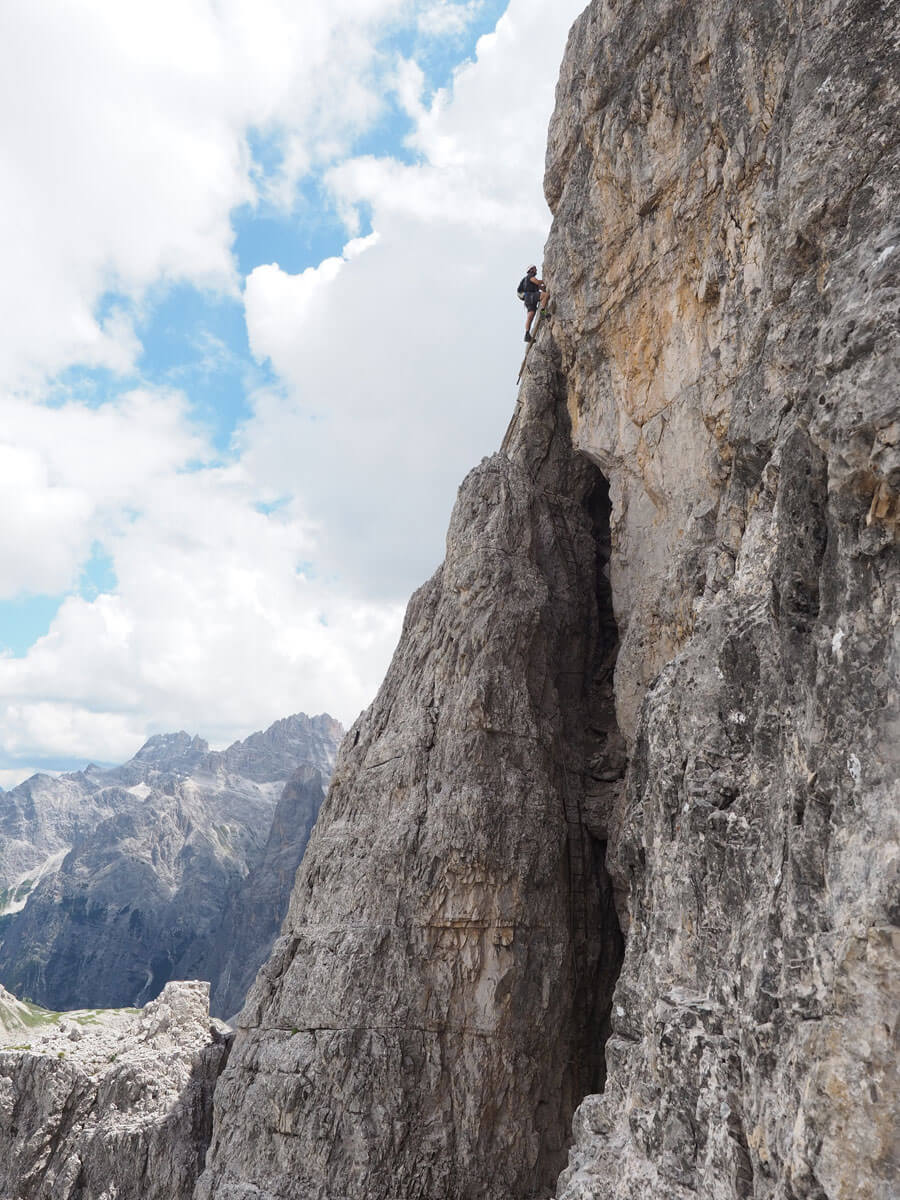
column 531, row 271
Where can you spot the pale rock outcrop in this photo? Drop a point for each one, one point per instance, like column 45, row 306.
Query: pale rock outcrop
column 101, row 1104
column 15, row 1014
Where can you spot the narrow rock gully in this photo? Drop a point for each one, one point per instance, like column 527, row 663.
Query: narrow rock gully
column 597, row 934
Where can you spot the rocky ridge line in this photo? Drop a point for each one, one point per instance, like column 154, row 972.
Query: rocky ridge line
column 130, row 871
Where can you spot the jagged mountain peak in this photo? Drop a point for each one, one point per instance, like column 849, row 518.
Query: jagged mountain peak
column 154, row 849
column 167, row 750
column 290, row 742
column 289, row 728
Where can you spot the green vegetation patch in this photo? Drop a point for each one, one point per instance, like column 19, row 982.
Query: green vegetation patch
column 38, row 1016
column 25, row 1015
column 11, row 895
column 88, row 1018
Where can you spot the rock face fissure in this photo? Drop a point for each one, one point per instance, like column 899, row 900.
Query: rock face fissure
column 605, row 763
column 437, row 1005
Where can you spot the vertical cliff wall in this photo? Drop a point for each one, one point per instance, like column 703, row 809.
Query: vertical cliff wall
column 724, row 255
column 686, row 549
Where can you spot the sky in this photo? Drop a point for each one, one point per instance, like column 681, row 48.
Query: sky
column 259, row 320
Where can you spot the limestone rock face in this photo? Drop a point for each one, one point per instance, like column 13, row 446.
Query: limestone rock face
column 724, row 258
column 101, row 1104
column 724, row 262
column 430, row 1016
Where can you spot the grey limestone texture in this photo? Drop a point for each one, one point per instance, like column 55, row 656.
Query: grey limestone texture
column 724, row 257
column 723, row 355
column 110, row 1105
column 428, row 1020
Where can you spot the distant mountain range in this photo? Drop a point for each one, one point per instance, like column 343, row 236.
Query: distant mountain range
column 177, row 864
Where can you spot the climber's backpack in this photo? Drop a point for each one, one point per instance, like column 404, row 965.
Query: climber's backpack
column 522, row 288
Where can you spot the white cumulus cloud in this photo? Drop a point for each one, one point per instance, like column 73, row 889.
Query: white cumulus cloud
column 125, row 148
column 400, row 374
column 273, row 578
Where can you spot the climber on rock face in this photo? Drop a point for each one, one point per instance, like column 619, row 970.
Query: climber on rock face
column 533, row 293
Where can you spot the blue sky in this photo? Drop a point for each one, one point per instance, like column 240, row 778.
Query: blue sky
column 236, row 407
